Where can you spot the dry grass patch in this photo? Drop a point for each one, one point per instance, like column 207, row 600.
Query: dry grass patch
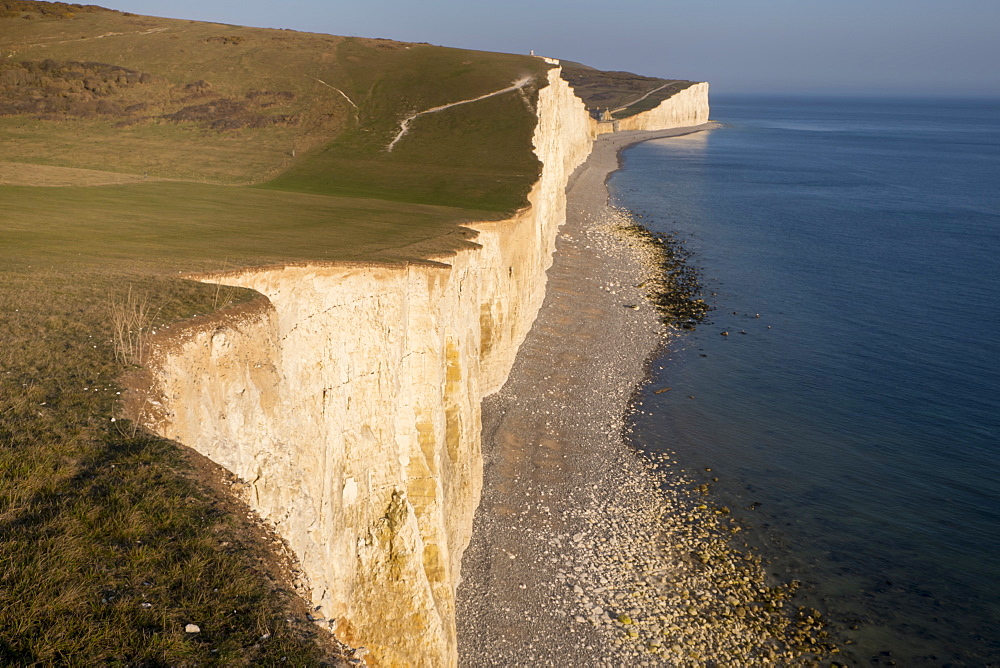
column 132, row 319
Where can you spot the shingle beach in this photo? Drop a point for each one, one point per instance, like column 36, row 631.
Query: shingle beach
column 584, row 552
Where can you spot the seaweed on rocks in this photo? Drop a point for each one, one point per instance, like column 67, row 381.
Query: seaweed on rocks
column 675, row 288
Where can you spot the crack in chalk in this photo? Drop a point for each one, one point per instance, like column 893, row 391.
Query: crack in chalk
column 353, row 379
column 404, row 125
column 315, row 314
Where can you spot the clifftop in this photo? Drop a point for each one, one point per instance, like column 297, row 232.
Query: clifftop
column 622, row 94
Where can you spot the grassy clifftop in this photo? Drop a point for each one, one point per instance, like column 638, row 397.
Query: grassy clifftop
column 623, row 94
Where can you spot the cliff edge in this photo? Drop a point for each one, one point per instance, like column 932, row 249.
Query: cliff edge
column 349, row 399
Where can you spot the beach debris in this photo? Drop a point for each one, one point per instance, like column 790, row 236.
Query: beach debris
column 192, row 628
column 662, row 390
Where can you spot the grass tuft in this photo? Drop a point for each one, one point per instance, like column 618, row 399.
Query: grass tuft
column 131, row 323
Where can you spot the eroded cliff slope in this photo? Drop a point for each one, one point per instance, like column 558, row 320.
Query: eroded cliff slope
column 349, row 399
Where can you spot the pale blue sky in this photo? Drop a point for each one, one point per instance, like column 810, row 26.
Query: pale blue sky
column 908, row 47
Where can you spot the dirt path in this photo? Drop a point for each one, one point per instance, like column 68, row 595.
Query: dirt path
column 104, row 36
column 334, row 88
column 404, row 125
column 640, row 99
column 26, row 174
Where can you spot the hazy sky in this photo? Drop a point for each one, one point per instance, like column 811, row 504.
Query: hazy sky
column 910, row 47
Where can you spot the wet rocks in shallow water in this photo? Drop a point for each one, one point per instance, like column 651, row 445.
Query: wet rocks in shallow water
column 674, row 586
column 675, row 285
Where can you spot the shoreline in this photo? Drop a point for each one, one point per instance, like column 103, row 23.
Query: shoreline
column 581, row 551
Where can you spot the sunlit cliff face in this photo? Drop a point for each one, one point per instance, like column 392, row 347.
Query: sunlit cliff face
column 349, row 401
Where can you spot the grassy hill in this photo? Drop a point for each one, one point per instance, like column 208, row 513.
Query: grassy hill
column 134, row 149
column 231, row 105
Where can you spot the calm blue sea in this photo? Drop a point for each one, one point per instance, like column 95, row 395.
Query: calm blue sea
column 859, row 411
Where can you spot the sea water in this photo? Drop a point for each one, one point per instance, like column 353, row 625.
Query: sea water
column 845, row 391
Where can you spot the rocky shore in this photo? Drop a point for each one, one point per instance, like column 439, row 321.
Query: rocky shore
column 584, row 553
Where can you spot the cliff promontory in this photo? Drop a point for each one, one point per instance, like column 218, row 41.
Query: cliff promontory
column 349, row 400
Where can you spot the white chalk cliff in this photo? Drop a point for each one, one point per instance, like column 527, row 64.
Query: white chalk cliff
column 349, row 399
column 688, row 107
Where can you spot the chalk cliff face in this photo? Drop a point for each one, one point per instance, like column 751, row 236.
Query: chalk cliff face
column 688, row 107
column 349, row 400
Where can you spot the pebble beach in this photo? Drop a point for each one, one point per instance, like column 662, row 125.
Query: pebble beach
column 583, row 551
